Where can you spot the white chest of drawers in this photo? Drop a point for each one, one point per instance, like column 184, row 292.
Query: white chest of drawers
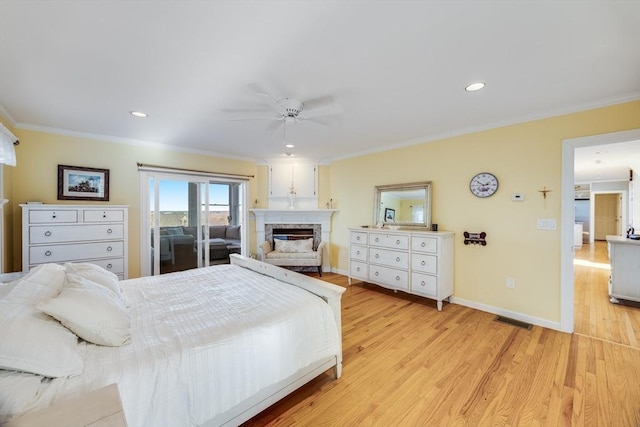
column 82, row 233
column 417, row 262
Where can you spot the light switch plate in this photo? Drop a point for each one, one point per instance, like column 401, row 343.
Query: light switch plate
column 547, row 224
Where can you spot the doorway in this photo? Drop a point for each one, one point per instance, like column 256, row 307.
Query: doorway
column 190, row 221
column 607, row 215
column 568, row 216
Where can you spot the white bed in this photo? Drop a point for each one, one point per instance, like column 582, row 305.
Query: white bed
column 211, row 346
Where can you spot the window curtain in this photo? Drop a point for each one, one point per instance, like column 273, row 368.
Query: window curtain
column 7, row 148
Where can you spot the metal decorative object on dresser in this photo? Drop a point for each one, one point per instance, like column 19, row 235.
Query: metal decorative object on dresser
column 416, row 262
column 82, row 233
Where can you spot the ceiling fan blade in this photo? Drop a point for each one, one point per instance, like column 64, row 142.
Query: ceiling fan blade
column 273, row 103
column 237, row 119
column 313, row 120
column 245, row 111
column 326, row 110
column 273, row 126
column 267, row 98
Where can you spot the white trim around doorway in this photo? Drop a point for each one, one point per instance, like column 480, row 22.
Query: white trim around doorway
column 567, row 215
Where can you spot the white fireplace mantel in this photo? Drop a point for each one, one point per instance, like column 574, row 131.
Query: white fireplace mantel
column 293, row 216
column 290, row 216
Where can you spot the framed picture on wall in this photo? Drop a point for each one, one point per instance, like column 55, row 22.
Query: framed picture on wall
column 389, row 214
column 80, row 183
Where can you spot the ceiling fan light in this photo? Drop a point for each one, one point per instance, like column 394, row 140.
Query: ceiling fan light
column 474, row 86
column 289, row 145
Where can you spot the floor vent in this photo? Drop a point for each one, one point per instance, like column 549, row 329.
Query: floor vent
column 514, row 322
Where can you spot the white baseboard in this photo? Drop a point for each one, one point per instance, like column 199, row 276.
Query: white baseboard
column 491, row 309
column 507, row 313
column 340, row 271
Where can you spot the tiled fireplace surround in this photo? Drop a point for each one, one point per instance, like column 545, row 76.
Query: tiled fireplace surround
column 317, row 219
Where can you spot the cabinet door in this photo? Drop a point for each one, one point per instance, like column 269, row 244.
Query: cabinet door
column 302, row 176
column 280, row 180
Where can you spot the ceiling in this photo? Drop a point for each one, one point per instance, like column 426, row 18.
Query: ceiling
column 398, row 69
column 610, row 162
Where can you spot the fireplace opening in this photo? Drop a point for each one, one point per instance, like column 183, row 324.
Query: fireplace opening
column 292, row 233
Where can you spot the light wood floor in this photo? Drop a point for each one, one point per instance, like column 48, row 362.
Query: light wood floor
column 594, row 315
column 406, row 364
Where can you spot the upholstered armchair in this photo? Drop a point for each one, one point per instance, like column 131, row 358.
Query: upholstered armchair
column 293, row 253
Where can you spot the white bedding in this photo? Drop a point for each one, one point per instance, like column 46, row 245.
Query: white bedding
column 202, row 341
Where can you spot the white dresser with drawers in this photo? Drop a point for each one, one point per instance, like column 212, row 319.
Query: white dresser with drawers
column 416, row 262
column 81, row 233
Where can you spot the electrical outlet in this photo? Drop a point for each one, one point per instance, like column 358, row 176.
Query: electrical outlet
column 511, row 282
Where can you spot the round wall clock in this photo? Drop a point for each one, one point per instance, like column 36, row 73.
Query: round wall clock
column 484, row 184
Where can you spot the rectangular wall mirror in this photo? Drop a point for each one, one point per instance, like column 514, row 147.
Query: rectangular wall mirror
column 407, row 205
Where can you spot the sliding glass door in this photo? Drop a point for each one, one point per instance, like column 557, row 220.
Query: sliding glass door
column 191, row 222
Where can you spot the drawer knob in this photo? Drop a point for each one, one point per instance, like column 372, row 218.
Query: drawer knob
column 47, row 253
column 109, row 266
column 357, row 252
column 423, row 244
column 47, row 233
column 397, row 278
column 397, row 259
column 109, row 231
column 53, row 216
column 422, row 283
column 109, row 248
column 357, row 237
column 377, row 239
column 104, row 214
column 377, row 255
column 423, row 263
column 357, row 268
column 397, row 242
column 376, row 273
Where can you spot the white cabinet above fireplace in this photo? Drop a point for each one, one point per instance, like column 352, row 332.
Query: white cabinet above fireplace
column 302, row 177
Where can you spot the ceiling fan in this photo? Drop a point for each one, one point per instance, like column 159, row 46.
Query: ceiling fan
column 291, row 110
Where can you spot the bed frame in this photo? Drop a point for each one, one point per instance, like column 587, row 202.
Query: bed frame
column 332, row 295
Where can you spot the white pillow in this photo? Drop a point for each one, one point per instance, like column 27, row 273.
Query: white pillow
column 92, row 312
column 39, row 284
column 294, row 246
column 31, row 341
column 98, row 275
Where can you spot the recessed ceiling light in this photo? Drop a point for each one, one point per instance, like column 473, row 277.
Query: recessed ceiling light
column 138, row 114
column 289, row 145
column 474, row 86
